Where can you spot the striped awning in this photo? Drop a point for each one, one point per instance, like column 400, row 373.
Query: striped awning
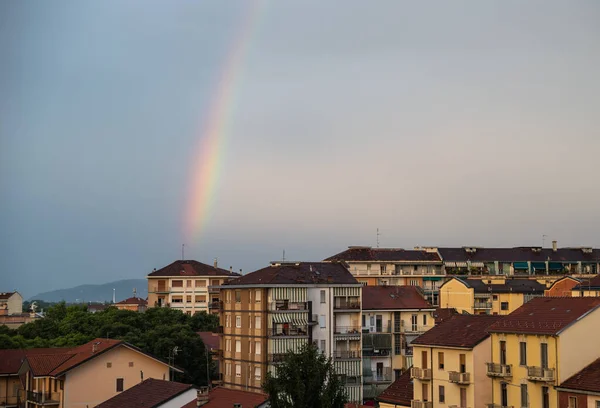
column 289, row 294
column 350, row 368
column 281, row 346
column 450, row 264
column 295, row 318
column 346, row 291
column 477, row 264
column 461, row 264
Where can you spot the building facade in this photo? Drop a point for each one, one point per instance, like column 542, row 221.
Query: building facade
column 189, row 286
column 540, row 345
column 588, row 287
column 582, row 390
column 283, row 307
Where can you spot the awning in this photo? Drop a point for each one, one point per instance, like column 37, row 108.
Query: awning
column 538, row 266
column 295, row 318
column 281, row 346
column 477, row 264
column 555, row 266
column 346, row 291
column 521, row 265
column 461, row 264
column 294, row 295
column 449, row 264
column 350, row 368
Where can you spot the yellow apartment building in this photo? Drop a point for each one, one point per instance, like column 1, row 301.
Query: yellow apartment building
column 10, row 387
column 499, row 295
column 540, row 345
column 399, row 394
column 282, row 307
column 85, row 376
column 581, row 390
column 395, row 266
column 392, row 317
column 187, row 285
column 589, row 287
column 449, row 363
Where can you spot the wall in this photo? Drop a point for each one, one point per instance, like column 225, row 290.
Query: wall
column 195, row 286
column 578, row 345
column 514, row 300
column 181, row 400
column 93, row 382
column 7, row 389
column 482, row 354
column 582, row 400
column 455, row 294
column 561, row 288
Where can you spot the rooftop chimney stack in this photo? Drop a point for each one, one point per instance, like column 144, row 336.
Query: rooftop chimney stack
column 554, row 246
column 215, row 264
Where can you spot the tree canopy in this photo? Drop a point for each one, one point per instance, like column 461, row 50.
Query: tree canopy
column 157, row 331
column 305, row 380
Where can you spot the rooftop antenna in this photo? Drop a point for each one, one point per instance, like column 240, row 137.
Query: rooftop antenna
column 544, row 239
column 182, row 252
column 114, row 296
column 283, row 257
column 378, row 234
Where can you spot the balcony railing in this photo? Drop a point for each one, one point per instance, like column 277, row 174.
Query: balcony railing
column 277, row 358
column 347, row 305
column 386, row 328
column 161, row 289
column 47, row 398
column 459, row 378
column 421, row 404
column 457, row 406
column 287, row 306
column 423, row 374
column 540, row 374
column 342, row 330
column 217, row 305
column 413, row 328
column 499, row 370
column 347, row 355
column 214, row 288
column 386, row 375
column 291, row 332
column 482, row 305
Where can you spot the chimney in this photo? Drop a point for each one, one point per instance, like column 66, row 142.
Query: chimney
column 230, row 268
column 554, row 246
column 202, row 396
column 215, row 264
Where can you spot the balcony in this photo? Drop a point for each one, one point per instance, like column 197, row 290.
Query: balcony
column 482, row 305
column 540, row 374
column 351, row 380
column 346, row 355
column 423, row 374
column 218, row 380
column 499, row 370
column 214, row 288
column 421, row 404
column 456, row 406
column 413, row 328
column 374, row 377
column 277, row 358
column 288, row 332
column 43, row 398
column 341, row 304
column 217, row 305
column 160, row 289
column 347, row 331
column 285, row 306
column 459, row 378
column 217, row 354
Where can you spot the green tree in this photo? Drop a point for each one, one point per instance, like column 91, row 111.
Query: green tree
column 204, row 322
column 305, row 380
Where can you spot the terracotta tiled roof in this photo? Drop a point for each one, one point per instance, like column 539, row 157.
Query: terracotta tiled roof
column 147, row 394
column 358, row 254
column 225, row 398
column 300, row 273
column 191, row 268
column 393, row 297
column 593, row 284
column 587, row 379
column 133, row 301
column 210, row 339
column 6, row 295
column 10, row 360
column 546, row 315
column 399, row 392
column 519, row 254
column 442, row 314
column 528, row 286
column 465, row 331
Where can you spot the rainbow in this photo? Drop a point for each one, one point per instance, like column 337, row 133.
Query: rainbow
column 210, row 151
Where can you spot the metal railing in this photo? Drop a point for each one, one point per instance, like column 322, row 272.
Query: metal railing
column 499, row 370
column 422, row 374
column 386, row 328
column 346, row 354
column 161, row 289
column 540, row 373
column 291, row 332
column 482, row 305
column 421, row 404
column 413, row 328
column 346, row 305
column 287, row 306
column 370, row 376
column 346, row 330
column 216, row 305
column 277, row 358
column 214, row 288
column 43, row 397
column 459, row 378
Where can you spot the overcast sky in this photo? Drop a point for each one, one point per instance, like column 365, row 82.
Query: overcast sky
column 440, row 123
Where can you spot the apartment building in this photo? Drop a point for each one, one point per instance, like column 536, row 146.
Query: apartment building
column 539, row 346
column 582, row 390
column 587, row 287
column 399, row 394
column 11, row 302
column 282, row 307
column 488, row 296
column 11, row 391
column 188, row 285
column 449, row 363
column 392, row 317
column 154, row 393
column 134, row 303
column 395, row 266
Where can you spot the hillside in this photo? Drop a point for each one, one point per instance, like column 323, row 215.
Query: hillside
column 96, row 293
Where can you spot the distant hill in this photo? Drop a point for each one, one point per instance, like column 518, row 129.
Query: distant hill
column 96, row 293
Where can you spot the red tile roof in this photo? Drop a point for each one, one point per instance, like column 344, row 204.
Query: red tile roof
column 519, row 254
column 587, row 379
column 210, row 339
column 191, row 268
column 10, row 360
column 399, row 392
column 225, row 398
column 365, row 254
column 133, row 301
column 393, row 298
column 464, row 331
column 442, row 314
column 147, row 394
column 510, row 285
column 593, row 284
column 298, row 273
column 6, row 295
column 546, row 315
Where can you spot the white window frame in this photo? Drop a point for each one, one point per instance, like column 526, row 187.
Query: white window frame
column 322, row 323
column 238, row 322
column 323, row 296
column 238, row 346
column 257, row 322
column 238, row 370
column 258, row 348
column 257, row 373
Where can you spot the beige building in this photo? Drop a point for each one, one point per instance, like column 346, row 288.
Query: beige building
column 449, row 363
column 11, row 303
column 281, row 308
column 189, row 286
column 134, row 303
column 85, row 376
column 540, row 345
column 392, row 317
column 588, row 287
column 399, row 394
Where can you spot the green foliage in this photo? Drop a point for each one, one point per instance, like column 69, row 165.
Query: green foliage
column 305, row 380
column 157, row 331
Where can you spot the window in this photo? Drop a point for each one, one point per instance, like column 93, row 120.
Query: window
column 364, row 321
column 414, row 322
column 504, row 394
column 544, row 356
column 372, row 320
column 415, row 268
column 238, row 296
column 228, row 345
column 119, row 384
column 494, row 297
column 442, row 392
column 462, row 360
column 238, row 321
column 177, row 284
column 502, row 353
column 200, row 283
column 257, row 322
column 425, row 391
column 424, row 320
column 545, row 398
column 598, row 404
column 323, row 347
column 188, row 283
column 227, row 369
column 215, row 282
column 322, row 296
column 238, row 346
column 258, row 348
column 397, row 345
column 523, row 354
column 440, row 361
column 131, row 364
column 572, row 402
column 524, row 397
column 322, row 321
column 108, row 365
column 227, row 320
column 177, row 299
column 257, row 296
column 257, row 373
column 503, row 305
column 201, row 299
column 188, row 298
column 368, row 268
column 414, row 282
column 238, row 370
column 228, row 296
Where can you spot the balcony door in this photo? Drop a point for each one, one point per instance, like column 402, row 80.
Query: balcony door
column 378, row 324
column 425, row 391
column 424, row 359
column 544, row 355
column 379, row 370
column 502, row 352
column 414, row 320
column 463, row 397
